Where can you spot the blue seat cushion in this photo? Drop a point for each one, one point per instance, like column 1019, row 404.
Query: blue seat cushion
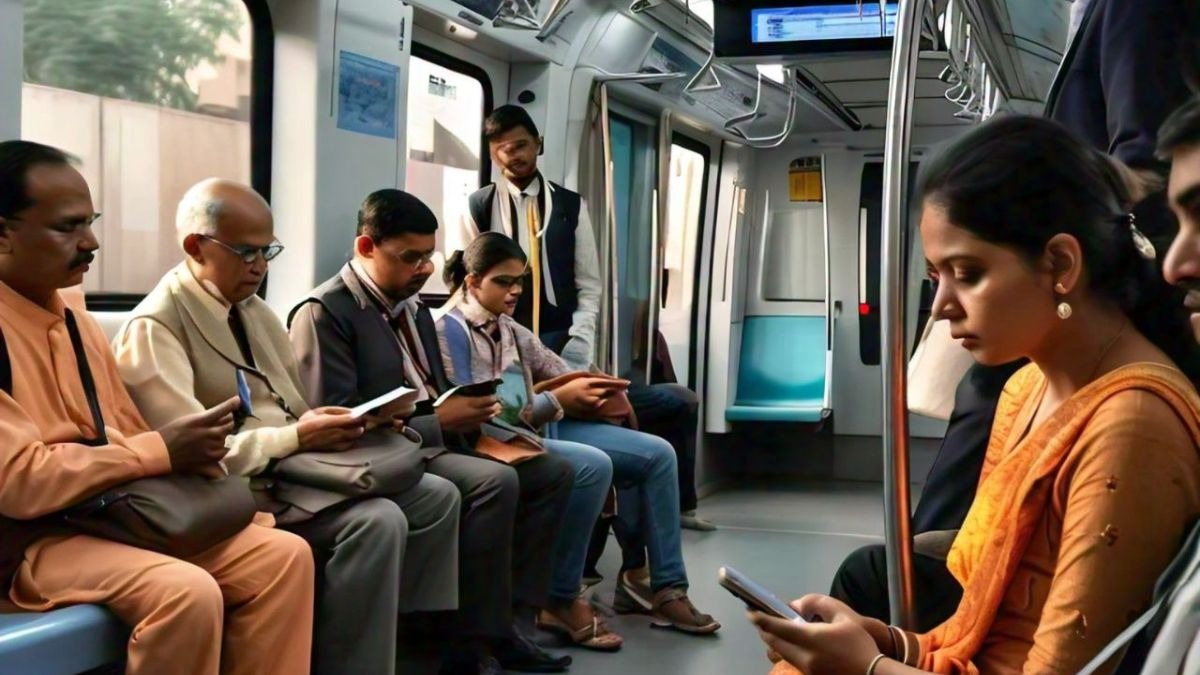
column 69, row 640
column 781, row 374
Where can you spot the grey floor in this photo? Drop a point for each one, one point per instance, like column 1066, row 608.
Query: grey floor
column 791, row 539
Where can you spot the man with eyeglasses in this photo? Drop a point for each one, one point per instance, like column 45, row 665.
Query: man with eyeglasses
column 364, row 332
column 183, row 347
column 245, row 603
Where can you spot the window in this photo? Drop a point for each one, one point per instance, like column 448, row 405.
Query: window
column 148, row 112
column 447, row 101
column 699, row 9
column 794, row 250
column 870, row 244
column 685, row 214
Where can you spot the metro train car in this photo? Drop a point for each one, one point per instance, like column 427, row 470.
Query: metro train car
column 748, row 243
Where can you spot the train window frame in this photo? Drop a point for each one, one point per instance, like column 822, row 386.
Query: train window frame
column 705, row 151
column 440, row 58
column 475, row 72
column 262, row 76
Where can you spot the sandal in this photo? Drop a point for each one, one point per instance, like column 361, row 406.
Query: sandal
column 673, row 609
column 594, row 635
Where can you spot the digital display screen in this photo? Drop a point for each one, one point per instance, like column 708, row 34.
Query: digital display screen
column 848, row 21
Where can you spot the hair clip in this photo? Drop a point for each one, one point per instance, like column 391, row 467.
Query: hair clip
column 1141, row 242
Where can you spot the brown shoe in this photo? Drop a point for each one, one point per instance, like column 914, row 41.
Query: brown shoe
column 673, row 609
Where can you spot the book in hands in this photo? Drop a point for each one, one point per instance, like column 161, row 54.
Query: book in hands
column 485, row 388
column 396, row 394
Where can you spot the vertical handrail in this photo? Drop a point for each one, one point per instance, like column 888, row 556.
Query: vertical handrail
column 610, row 214
column 662, row 196
column 893, row 293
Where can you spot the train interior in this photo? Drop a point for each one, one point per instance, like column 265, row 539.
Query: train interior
column 736, row 201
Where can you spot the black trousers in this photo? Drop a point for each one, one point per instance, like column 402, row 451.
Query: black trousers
column 861, row 583
column 510, row 519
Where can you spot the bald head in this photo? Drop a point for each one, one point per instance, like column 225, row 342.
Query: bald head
column 213, row 200
column 219, row 224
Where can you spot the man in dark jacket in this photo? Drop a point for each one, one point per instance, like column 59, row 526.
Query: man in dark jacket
column 365, row 332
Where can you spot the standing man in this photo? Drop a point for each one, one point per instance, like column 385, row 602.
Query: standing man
column 562, row 301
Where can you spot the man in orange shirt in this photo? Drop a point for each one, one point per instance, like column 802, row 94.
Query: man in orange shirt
column 242, row 606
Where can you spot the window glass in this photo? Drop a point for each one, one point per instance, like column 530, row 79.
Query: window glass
column 445, row 146
column 151, row 96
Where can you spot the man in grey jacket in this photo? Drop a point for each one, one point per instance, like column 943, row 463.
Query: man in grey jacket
column 365, row 332
column 180, row 352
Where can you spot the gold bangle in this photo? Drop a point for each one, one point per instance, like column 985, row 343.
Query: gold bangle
column 874, row 663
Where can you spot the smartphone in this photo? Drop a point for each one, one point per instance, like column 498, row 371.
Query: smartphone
column 485, row 388
column 755, row 596
column 243, row 389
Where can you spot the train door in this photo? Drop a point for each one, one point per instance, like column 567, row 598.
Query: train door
column 634, row 165
column 686, row 198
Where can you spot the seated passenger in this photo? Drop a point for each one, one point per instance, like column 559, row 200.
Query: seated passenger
column 179, row 352
column 1119, row 79
column 1178, row 641
column 365, row 332
column 480, row 340
column 243, row 606
column 1092, row 473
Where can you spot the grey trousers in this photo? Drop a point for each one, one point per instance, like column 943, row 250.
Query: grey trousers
column 376, row 558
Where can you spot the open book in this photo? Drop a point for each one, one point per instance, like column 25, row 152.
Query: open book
column 378, row 402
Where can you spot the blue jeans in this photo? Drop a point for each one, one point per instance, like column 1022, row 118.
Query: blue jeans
column 593, row 475
column 645, row 473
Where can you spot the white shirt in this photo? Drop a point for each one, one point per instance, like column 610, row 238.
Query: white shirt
column 587, row 263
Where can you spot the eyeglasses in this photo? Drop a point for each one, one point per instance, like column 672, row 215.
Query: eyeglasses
column 249, row 254
column 68, row 225
column 507, row 282
column 411, row 258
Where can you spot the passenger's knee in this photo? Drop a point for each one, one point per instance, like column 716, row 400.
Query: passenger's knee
column 498, row 480
column 443, row 493
column 599, row 467
column 660, row 453
column 192, row 592
column 380, row 522
column 289, row 554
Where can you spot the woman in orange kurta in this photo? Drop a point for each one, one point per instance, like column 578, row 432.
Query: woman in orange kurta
column 1092, row 473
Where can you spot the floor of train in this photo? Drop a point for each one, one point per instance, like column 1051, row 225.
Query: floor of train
column 791, row 539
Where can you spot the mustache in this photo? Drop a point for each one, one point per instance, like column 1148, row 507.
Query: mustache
column 83, row 259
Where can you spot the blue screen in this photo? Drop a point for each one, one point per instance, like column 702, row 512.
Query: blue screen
column 822, row 22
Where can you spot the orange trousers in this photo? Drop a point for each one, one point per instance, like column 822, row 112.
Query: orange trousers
column 243, row 606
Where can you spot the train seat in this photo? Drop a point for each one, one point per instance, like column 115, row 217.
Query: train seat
column 783, row 370
column 62, row 641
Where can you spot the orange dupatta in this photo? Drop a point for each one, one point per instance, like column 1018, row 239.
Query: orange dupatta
column 1014, row 491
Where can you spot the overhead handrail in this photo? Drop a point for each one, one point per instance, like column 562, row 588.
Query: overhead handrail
column 694, row 87
column 641, row 78
column 520, row 14
column 753, row 114
column 775, row 140
column 896, row 502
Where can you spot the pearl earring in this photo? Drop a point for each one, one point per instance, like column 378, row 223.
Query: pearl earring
column 1064, row 307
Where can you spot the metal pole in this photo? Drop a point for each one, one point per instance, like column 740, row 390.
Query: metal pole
column 895, row 216
column 610, row 212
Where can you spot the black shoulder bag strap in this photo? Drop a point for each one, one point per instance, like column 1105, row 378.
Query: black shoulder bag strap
column 6, row 383
column 89, row 385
